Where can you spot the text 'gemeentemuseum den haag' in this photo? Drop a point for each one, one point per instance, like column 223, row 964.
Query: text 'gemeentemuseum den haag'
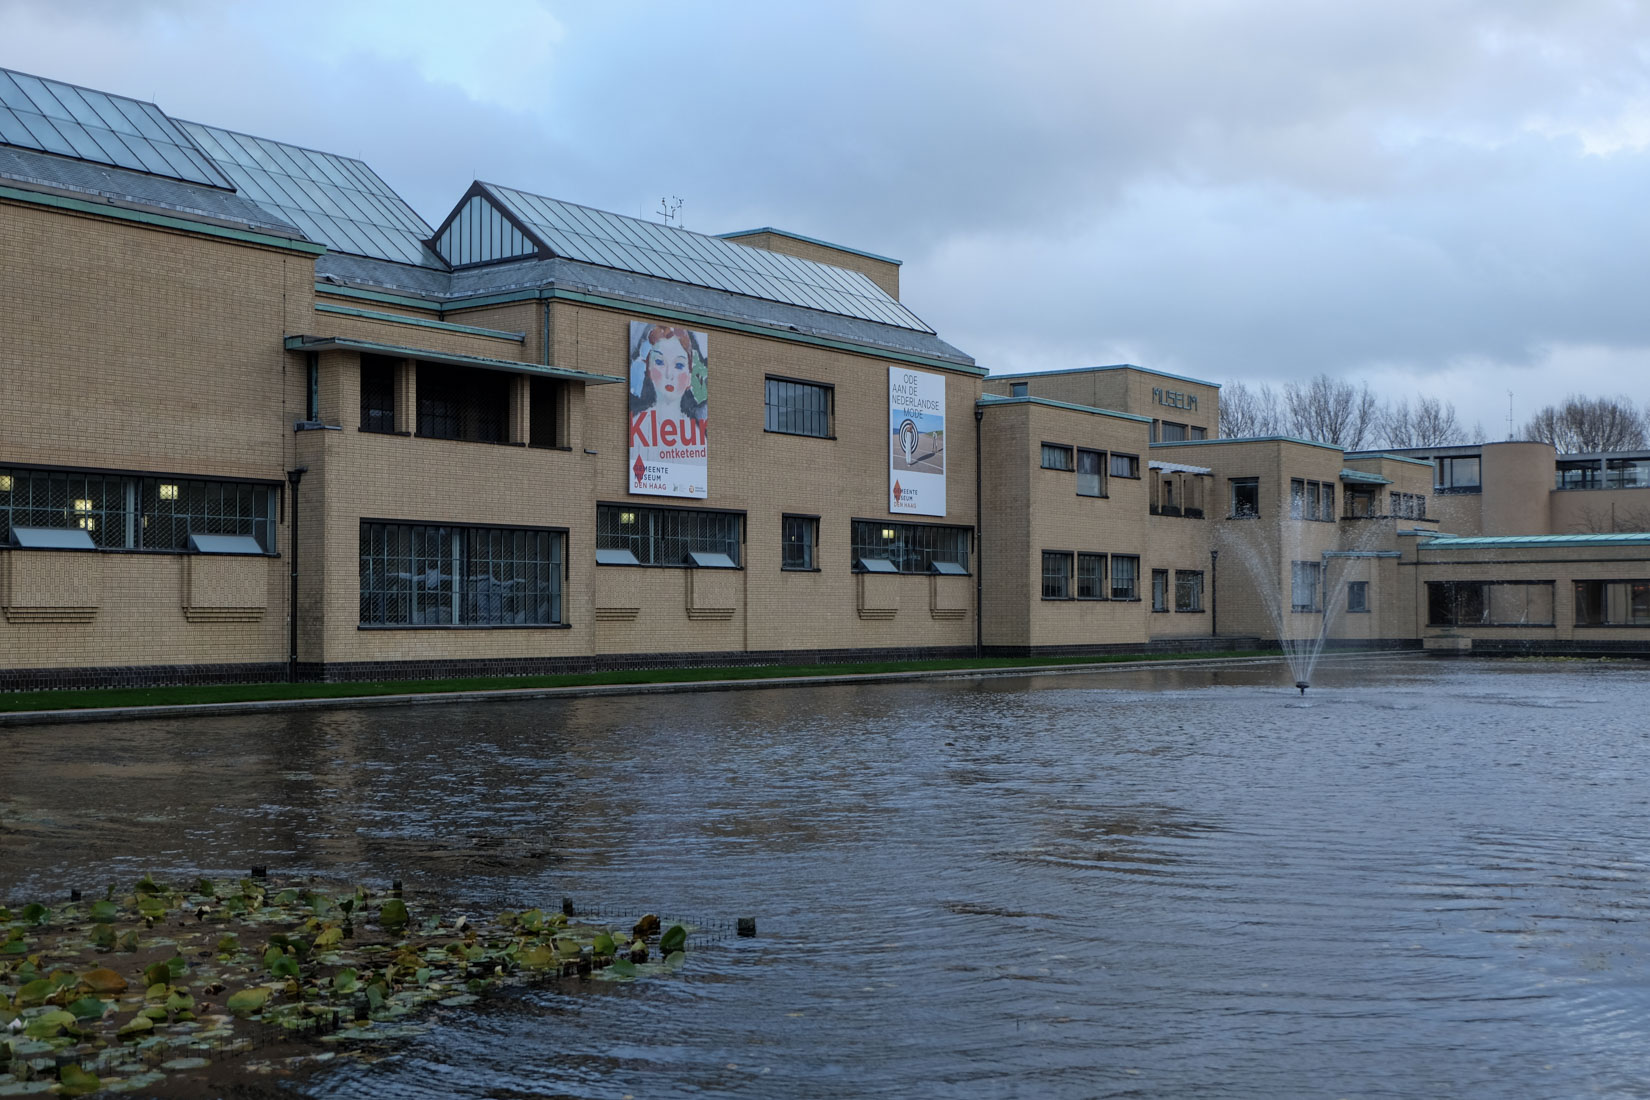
column 263, row 420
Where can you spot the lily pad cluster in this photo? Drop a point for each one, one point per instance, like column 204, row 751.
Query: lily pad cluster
column 116, row 994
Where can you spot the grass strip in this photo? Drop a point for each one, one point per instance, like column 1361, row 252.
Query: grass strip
column 244, row 693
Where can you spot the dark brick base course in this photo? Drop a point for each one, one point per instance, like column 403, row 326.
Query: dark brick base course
column 131, row 676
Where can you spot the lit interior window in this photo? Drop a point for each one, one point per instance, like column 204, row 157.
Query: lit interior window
column 887, row 532
column 81, row 504
column 169, row 492
column 627, row 517
column 5, row 483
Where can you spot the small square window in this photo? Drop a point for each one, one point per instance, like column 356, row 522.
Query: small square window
column 1125, row 465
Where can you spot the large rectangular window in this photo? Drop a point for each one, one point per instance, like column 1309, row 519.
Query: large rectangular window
column 1091, row 577
column 910, row 547
column 1407, row 505
column 1612, row 603
column 1313, row 500
column 1125, row 577
column 798, row 408
column 1305, row 583
column 1125, row 465
column 1627, row 473
column 1172, row 432
column 1091, row 473
column 1188, row 590
column 463, row 403
column 1056, row 575
column 442, row 575
column 798, row 538
column 1245, row 497
column 378, row 393
column 1489, row 603
column 631, row 535
column 1460, row 474
column 1056, row 457
column 133, row 512
column 1580, row 474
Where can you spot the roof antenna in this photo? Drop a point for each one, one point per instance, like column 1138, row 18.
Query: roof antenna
column 670, row 208
column 1509, row 415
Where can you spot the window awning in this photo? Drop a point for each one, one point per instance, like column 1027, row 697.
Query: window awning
column 426, row 355
column 1178, row 468
column 1358, row 477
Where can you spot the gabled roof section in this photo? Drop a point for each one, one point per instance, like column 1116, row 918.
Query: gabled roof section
column 478, row 232
column 337, row 201
column 50, row 116
column 564, row 230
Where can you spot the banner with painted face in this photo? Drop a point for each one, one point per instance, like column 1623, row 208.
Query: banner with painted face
column 916, row 442
column 669, row 411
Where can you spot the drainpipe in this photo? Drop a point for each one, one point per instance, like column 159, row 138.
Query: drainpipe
column 979, row 543
column 544, row 338
column 1214, row 592
column 293, row 477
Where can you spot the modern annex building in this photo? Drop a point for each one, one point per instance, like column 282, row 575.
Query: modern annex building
column 264, row 420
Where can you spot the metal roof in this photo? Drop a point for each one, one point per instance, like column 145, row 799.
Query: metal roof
column 591, row 236
column 1452, row 542
column 1361, row 478
column 337, row 201
column 105, row 183
column 50, row 116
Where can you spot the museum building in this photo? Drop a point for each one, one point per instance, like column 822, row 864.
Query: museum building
column 265, row 421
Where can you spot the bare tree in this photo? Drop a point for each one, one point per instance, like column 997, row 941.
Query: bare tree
column 1431, row 423
column 1245, row 412
column 1327, row 411
column 1584, row 425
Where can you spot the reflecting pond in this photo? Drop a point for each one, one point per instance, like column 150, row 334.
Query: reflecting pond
column 1424, row 878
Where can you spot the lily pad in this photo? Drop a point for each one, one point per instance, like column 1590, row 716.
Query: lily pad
column 393, row 914
column 674, row 939
column 77, row 1081
column 104, row 911
column 247, row 1000
column 88, row 1008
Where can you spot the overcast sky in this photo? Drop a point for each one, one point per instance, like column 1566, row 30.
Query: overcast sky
column 1443, row 197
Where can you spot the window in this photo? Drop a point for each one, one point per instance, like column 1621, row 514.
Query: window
column 1172, row 432
column 798, row 535
column 1056, row 575
column 1357, row 596
column 1580, row 474
column 1125, row 465
column 798, row 408
column 1125, row 576
column 1160, row 590
column 1091, row 473
column 1245, row 497
column 909, row 547
column 1016, row 389
column 1360, row 503
column 440, row 575
column 1188, row 590
column 1612, row 603
column 1199, row 433
column 1627, row 473
column 1091, row 576
column 664, row 536
column 1407, row 505
column 1461, row 474
column 463, row 403
column 1314, row 500
column 1304, row 583
column 1056, row 457
column 132, row 512
column 378, row 393
column 546, row 398
column 1489, row 603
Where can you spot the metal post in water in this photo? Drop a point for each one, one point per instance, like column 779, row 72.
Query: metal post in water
column 1303, row 685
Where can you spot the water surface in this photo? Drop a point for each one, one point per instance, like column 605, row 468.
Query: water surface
column 1425, row 878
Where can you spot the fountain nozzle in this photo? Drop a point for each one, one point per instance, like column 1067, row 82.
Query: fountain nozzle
column 1303, row 685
